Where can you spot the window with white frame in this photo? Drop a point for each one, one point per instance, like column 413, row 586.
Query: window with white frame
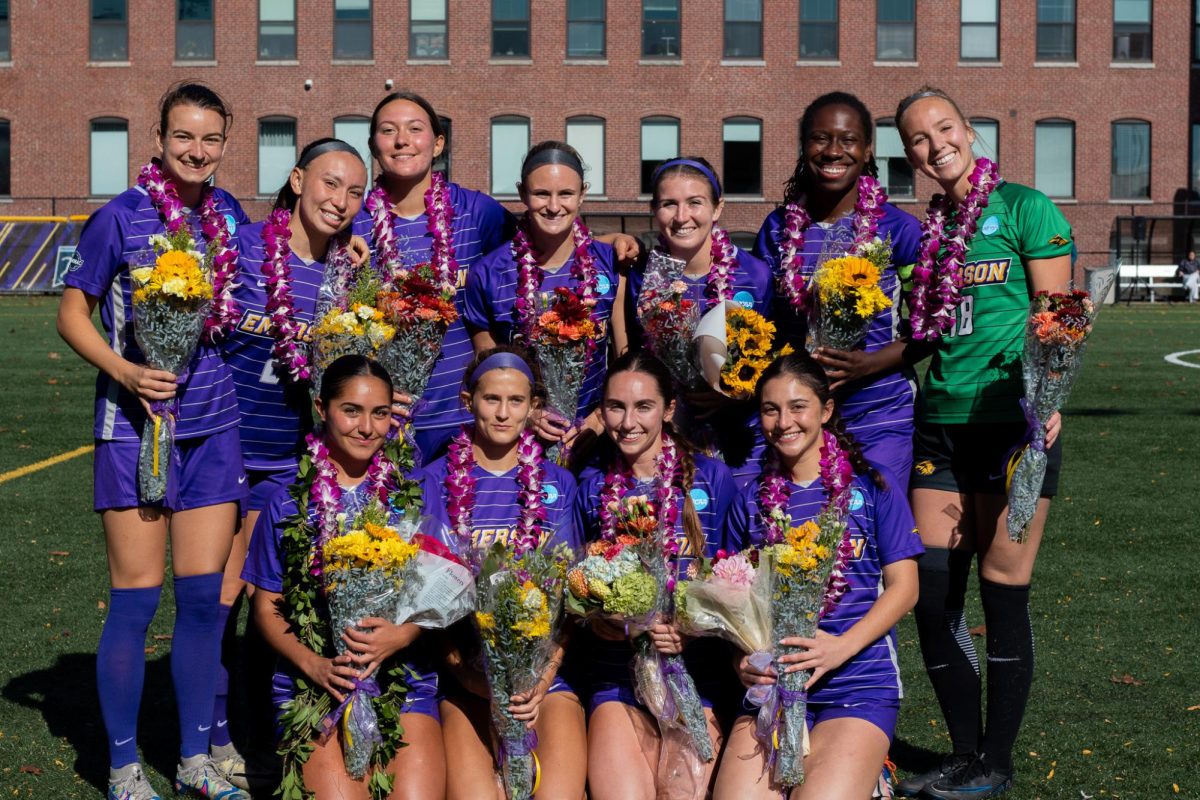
column 1054, row 157
column 276, row 153
column 586, row 134
column 895, row 173
column 660, row 142
column 109, row 157
column 510, row 143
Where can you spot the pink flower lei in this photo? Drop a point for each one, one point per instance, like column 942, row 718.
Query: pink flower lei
column 718, row 285
column 165, row 197
column 836, row 476
column 439, row 209
column 530, row 275
column 933, row 308
column 868, row 210
column 668, row 494
column 326, row 493
column 289, row 354
column 460, row 490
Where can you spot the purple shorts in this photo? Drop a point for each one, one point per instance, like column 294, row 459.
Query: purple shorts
column 890, row 450
column 880, row 713
column 422, row 697
column 266, row 483
column 611, row 679
column 204, row 471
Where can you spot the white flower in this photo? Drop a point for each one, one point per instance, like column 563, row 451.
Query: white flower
column 141, row 274
column 176, row 286
column 364, row 312
column 160, row 243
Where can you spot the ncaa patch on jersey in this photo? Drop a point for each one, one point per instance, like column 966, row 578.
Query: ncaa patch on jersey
column 603, row 285
column 856, row 500
column 699, row 498
column 744, row 299
column 550, row 494
column 231, row 224
column 990, row 226
column 1059, row 241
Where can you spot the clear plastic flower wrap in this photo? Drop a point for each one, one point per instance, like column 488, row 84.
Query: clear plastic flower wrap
column 563, row 339
column 350, row 324
column 846, row 294
column 668, row 319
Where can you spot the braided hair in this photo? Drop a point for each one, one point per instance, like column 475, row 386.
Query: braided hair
column 797, row 185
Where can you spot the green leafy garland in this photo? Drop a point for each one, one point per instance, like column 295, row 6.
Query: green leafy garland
column 303, row 607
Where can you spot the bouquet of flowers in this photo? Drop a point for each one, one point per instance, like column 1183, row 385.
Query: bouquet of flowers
column 1055, row 340
column 420, row 312
column 628, row 575
column 171, row 299
column 563, row 337
column 847, row 296
column 734, row 347
column 667, row 318
column 365, row 570
column 519, row 598
column 351, row 326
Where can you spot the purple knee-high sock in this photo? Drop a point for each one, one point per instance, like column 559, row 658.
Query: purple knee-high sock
column 195, row 654
column 121, row 668
column 220, row 721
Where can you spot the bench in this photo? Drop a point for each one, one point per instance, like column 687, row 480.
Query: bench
column 1147, row 278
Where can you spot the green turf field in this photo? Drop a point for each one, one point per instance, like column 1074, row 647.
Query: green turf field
column 1115, row 710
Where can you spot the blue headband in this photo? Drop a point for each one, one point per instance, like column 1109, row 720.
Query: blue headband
column 501, row 360
column 696, row 165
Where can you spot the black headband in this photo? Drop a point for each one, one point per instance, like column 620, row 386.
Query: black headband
column 327, row 146
column 551, row 155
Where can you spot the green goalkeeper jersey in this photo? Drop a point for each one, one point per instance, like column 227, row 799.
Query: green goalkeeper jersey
column 975, row 374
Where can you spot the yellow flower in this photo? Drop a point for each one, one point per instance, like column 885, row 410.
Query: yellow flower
column 141, row 274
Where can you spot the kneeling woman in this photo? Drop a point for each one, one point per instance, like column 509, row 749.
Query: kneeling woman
column 641, row 450
column 355, row 409
column 494, row 473
column 854, row 692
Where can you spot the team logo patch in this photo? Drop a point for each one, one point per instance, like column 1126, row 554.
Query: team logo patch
column 231, row 224
column 550, row 494
column 986, row 273
column 924, row 467
column 744, row 299
column 1059, row 241
column 856, row 500
column 74, row 262
column 603, row 285
column 699, row 499
column 990, row 226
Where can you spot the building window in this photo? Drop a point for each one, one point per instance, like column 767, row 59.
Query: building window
column 743, row 29
column 510, row 28
column 1196, row 32
column 896, row 30
column 819, row 29
column 987, row 138
column 660, row 28
column 1055, row 30
column 980, row 36
column 277, row 30
column 194, row 38
column 660, row 142
column 1130, row 160
column 1195, row 184
column 586, row 134
column 1054, row 157
column 895, row 173
column 442, row 162
column 110, row 32
column 1132, row 30
column 5, row 33
column 110, row 157
column 585, row 28
column 355, row 131
column 6, row 158
column 428, row 34
column 352, row 29
column 510, row 143
column 276, row 153
column 742, row 156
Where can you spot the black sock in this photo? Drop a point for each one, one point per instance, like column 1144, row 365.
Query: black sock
column 946, row 646
column 1009, row 670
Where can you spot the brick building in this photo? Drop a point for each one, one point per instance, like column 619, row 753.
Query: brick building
column 1086, row 100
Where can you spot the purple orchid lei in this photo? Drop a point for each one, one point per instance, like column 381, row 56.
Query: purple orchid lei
column 460, row 490
column 165, row 197
column 667, row 498
column 868, row 210
column 836, row 476
column 937, row 285
column 439, row 209
column 718, row 286
column 530, row 274
column 326, row 493
column 289, row 354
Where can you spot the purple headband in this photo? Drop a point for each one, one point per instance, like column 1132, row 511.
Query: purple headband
column 696, row 165
column 502, row 360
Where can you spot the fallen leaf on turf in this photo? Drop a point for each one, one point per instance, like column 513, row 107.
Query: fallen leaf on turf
column 1126, row 680
column 151, row 650
column 978, row 630
column 101, row 604
column 1175, row 786
column 52, row 381
column 53, row 356
column 30, row 769
column 1193, row 708
column 1087, row 752
column 60, row 552
column 59, row 763
column 161, row 637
